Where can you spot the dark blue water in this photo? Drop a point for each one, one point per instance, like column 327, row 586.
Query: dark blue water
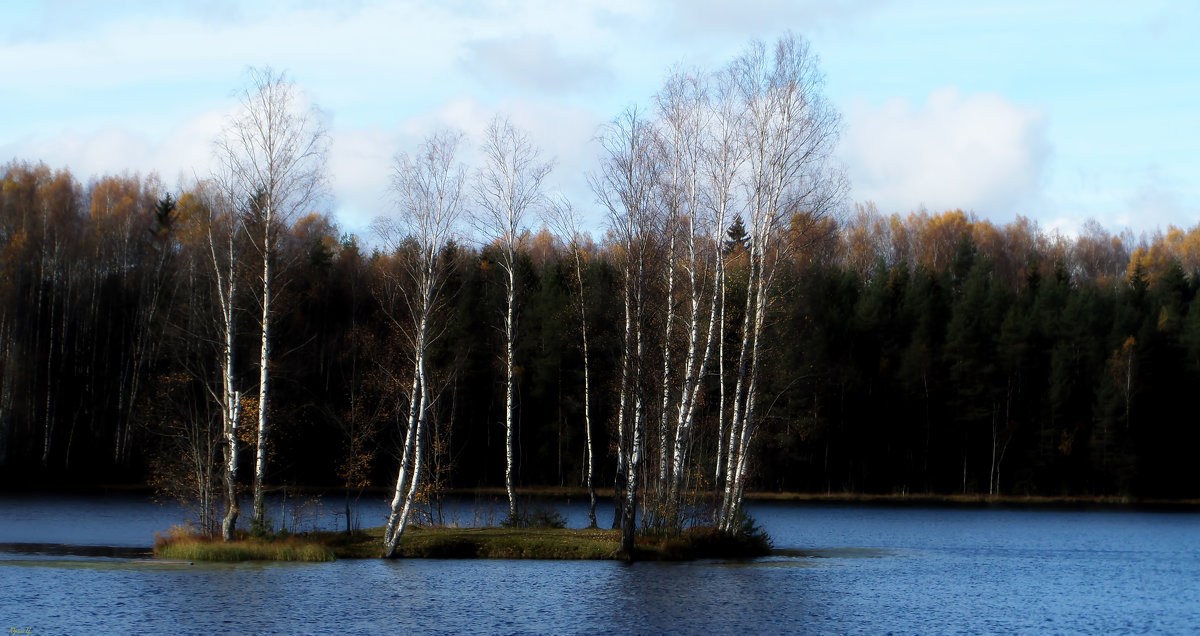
column 841, row 570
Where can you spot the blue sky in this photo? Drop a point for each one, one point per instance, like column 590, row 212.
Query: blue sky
column 1058, row 111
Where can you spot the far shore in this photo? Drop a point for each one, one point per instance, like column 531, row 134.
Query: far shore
column 572, row 493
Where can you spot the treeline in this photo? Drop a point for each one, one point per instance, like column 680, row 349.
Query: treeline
column 933, row 353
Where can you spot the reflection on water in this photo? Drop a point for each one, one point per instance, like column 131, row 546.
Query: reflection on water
column 838, row 569
column 71, row 550
column 833, row 553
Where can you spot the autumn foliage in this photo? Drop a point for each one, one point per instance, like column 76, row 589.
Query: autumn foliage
column 921, row 353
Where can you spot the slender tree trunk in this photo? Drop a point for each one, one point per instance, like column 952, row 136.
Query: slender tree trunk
column 260, row 461
column 629, row 517
column 225, row 274
column 414, row 483
column 48, row 413
column 692, row 378
column 718, row 471
column 232, row 509
column 587, row 396
column 230, row 407
column 737, row 418
column 510, row 333
column 620, row 482
column 400, row 505
column 664, row 451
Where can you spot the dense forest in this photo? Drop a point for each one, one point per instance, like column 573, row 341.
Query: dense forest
column 845, row 351
column 920, row 353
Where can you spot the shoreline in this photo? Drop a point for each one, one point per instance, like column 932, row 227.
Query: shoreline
column 572, row 493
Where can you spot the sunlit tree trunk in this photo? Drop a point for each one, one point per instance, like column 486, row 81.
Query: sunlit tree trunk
column 264, row 361
column 275, row 153
column 429, row 189
column 222, row 228
column 401, row 504
column 790, row 133
column 664, row 451
column 508, row 185
column 587, row 397
column 625, row 185
column 621, row 479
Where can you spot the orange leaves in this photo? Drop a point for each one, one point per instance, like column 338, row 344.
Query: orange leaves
column 1161, row 251
column 933, row 241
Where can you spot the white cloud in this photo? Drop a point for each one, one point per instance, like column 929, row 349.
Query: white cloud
column 360, row 166
column 185, row 150
column 534, row 62
column 978, row 152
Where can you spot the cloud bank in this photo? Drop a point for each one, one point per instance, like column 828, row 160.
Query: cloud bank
column 976, row 152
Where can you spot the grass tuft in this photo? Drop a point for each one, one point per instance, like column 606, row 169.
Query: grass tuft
column 198, row 548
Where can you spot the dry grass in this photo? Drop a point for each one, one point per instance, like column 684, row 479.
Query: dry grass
column 180, row 544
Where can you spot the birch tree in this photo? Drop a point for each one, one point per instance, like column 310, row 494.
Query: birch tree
column 791, row 185
column 685, row 115
column 566, row 222
column 723, row 154
column 625, row 186
column 507, row 186
column 222, row 225
column 274, row 151
column 429, row 191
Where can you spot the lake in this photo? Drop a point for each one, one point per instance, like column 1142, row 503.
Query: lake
column 840, row 569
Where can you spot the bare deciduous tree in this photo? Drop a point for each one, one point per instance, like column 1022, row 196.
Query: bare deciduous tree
column 791, row 185
column 566, row 221
column 507, row 186
column 625, row 185
column 429, row 191
column 274, row 151
column 222, row 225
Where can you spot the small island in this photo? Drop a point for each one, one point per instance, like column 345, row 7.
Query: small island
column 493, row 542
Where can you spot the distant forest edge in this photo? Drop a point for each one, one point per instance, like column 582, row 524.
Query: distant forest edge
column 927, row 353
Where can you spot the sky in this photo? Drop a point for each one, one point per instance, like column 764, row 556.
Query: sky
column 1057, row 111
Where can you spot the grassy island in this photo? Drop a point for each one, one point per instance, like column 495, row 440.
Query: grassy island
column 464, row 543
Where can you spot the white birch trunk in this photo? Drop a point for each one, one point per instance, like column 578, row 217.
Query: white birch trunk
column 629, row 518
column 260, row 459
column 225, row 273
column 737, row 417
column 400, row 504
column 663, row 477
column 719, row 464
column 510, row 334
column 429, row 192
column 587, row 395
column 274, row 154
column 692, row 385
column 507, row 185
column 621, row 480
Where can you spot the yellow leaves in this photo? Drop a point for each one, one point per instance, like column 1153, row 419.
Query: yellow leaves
column 1121, row 363
column 1156, row 255
column 248, row 420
